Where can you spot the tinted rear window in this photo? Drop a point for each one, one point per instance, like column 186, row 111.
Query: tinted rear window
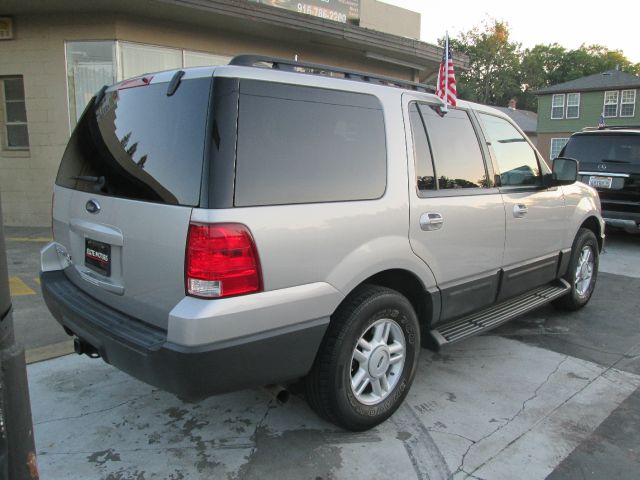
column 599, row 148
column 140, row 143
column 304, row 145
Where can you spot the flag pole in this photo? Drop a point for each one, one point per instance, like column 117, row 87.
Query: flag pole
column 446, row 72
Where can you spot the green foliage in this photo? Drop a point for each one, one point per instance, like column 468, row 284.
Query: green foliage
column 499, row 69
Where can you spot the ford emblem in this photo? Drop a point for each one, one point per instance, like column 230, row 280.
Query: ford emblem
column 92, row 206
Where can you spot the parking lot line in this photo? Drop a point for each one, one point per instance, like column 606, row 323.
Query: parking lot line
column 19, row 288
column 29, row 239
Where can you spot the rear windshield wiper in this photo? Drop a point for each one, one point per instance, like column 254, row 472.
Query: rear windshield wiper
column 99, row 181
column 606, row 160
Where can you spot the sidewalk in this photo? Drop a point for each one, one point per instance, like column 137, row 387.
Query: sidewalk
column 41, row 336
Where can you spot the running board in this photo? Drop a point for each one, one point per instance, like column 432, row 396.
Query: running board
column 497, row 314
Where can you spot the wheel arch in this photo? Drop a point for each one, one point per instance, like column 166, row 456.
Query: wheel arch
column 592, row 223
column 425, row 302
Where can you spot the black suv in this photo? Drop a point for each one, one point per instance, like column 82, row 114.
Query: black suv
column 610, row 162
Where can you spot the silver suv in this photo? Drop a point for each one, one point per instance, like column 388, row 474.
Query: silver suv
column 261, row 222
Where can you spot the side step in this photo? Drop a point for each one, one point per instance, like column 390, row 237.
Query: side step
column 497, row 314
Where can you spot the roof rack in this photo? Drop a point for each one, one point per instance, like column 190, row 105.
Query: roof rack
column 318, row 69
column 611, row 127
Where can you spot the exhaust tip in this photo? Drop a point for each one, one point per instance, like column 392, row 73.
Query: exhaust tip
column 278, row 392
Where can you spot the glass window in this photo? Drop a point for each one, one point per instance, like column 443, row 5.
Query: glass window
column 573, row 105
column 610, row 104
column 422, row 154
column 137, row 59
column 140, row 143
column 456, row 152
column 202, row 59
column 557, row 106
column 516, row 159
column 15, row 114
column 557, row 144
column 90, row 66
column 303, row 145
column 628, row 103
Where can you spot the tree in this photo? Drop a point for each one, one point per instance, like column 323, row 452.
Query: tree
column 540, row 66
column 494, row 60
column 500, row 70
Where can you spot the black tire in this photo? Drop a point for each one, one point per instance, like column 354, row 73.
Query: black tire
column 328, row 385
column 574, row 300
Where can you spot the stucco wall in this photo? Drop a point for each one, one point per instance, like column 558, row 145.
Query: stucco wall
column 37, row 53
column 389, row 19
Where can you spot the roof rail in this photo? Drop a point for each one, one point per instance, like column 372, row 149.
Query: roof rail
column 318, row 69
column 610, row 127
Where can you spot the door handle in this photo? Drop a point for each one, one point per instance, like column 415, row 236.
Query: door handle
column 520, row 210
column 431, row 221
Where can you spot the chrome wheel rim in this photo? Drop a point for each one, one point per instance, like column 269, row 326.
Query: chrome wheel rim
column 377, row 361
column 584, row 270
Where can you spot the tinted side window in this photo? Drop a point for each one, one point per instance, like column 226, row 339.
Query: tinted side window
column 304, row 145
column 140, row 143
column 456, row 152
column 516, row 159
column 424, row 165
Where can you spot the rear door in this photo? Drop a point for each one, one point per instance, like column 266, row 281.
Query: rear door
column 128, row 181
column 457, row 221
column 536, row 217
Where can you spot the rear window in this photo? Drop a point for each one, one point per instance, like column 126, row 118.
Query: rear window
column 140, row 143
column 601, row 148
column 305, row 145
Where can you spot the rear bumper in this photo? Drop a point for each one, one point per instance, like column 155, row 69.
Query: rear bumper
column 628, row 220
column 143, row 351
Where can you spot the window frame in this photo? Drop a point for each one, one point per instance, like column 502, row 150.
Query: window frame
column 422, row 125
column 482, row 145
column 542, row 166
column 566, row 139
column 605, row 103
column 5, row 118
column 559, row 95
column 577, row 94
column 299, row 87
column 633, row 103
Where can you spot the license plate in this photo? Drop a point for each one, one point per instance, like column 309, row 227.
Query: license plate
column 600, row 182
column 97, row 256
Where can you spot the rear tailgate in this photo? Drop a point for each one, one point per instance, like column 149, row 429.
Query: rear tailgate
column 125, row 190
column 610, row 162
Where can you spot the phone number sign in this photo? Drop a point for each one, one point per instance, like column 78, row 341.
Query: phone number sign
column 336, row 10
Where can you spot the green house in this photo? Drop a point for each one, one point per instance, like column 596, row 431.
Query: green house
column 570, row 106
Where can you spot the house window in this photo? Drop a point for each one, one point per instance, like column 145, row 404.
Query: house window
column 573, row 105
column 90, row 66
column 610, row 104
column 15, row 113
column 628, row 103
column 557, row 144
column 203, row 59
column 557, row 106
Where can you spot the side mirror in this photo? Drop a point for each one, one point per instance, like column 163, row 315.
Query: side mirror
column 564, row 172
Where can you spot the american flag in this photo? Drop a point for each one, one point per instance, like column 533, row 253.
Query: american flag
column 446, row 86
column 601, row 121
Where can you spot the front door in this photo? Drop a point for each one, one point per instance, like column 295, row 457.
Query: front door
column 535, row 216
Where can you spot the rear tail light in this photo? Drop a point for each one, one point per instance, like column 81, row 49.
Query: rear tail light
column 221, row 261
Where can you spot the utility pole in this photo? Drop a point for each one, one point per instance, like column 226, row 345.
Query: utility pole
column 17, row 449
